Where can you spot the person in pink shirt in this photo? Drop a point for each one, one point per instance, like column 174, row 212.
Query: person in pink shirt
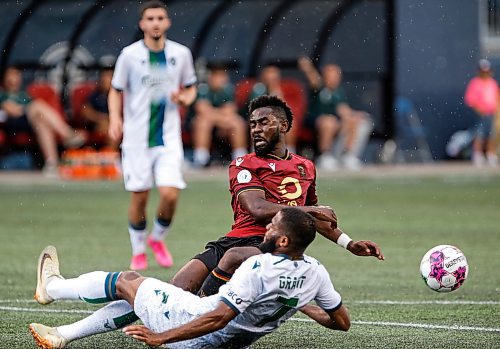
column 482, row 96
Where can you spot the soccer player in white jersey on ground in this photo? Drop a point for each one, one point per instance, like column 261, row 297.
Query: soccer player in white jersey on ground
column 155, row 76
column 264, row 292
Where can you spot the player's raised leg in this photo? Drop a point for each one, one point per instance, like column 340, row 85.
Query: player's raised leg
column 94, row 287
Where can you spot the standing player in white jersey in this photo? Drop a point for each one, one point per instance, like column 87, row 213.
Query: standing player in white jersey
column 265, row 291
column 155, row 76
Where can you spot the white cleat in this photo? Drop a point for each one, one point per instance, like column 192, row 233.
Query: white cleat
column 47, row 337
column 48, row 267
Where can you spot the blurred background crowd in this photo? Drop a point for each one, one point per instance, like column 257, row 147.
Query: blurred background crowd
column 369, row 81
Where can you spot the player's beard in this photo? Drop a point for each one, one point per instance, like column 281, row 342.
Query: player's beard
column 269, row 146
column 268, row 246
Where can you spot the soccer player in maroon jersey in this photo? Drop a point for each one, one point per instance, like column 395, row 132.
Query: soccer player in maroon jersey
column 261, row 184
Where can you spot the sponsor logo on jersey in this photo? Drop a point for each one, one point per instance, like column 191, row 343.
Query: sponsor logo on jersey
column 273, row 166
column 244, row 176
column 289, row 282
column 234, row 297
column 284, row 188
column 148, row 80
column 239, row 161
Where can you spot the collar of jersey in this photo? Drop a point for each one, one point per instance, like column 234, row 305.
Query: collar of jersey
column 288, row 257
column 147, row 48
column 288, row 156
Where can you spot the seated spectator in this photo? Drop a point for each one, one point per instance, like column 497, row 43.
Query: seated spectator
column 331, row 116
column 270, row 83
column 215, row 108
column 26, row 115
column 95, row 109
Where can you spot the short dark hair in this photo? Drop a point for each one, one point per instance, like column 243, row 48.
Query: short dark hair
column 152, row 4
column 300, row 227
column 278, row 106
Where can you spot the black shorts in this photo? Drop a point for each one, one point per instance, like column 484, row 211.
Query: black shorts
column 214, row 250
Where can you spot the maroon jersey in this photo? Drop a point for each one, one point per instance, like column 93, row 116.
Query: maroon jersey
column 289, row 181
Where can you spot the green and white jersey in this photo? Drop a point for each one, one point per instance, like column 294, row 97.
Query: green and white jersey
column 148, row 79
column 265, row 291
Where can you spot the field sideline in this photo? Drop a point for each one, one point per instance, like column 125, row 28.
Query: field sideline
column 406, row 209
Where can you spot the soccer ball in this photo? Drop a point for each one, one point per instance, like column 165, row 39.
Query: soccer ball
column 444, row 268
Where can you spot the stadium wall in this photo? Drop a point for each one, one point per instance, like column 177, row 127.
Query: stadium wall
column 437, row 45
column 436, row 55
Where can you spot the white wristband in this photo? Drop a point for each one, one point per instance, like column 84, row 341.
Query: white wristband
column 343, row 240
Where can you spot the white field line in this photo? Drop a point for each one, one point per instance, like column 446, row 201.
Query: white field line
column 45, row 310
column 415, row 325
column 357, row 322
column 426, row 302
column 369, row 302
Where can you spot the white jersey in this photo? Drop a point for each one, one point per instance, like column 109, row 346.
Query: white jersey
column 268, row 289
column 148, row 79
column 265, row 291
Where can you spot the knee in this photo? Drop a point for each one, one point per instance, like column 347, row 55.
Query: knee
column 231, row 260
column 129, row 276
column 169, row 195
column 127, row 285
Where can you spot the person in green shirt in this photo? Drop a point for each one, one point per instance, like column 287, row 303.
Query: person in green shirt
column 331, row 116
column 215, row 108
column 24, row 114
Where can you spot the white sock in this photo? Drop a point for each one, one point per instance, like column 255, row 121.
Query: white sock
column 94, row 287
column 109, row 318
column 137, row 240
column 201, row 156
column 238, row 152
column 159, row 231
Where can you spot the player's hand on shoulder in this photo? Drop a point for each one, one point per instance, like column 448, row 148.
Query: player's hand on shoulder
column 365, row 248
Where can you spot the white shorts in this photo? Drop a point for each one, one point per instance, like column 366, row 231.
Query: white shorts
column 144, row 167
column 162, row 306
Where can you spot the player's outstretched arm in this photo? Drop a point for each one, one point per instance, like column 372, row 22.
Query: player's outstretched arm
column 206, row 323
column 358, row 248
column 336, row 320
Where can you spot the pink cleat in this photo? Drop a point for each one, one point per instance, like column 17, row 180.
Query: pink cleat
column 139, row 262
column 162, row 255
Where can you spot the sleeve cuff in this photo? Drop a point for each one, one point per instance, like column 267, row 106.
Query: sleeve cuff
column 230, row 305
column 248, row 189
column 334, row 309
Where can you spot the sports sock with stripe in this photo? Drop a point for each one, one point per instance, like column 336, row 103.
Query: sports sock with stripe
column 95, row 287
column 160, row 230
column 109, row 318
column 213, row 282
